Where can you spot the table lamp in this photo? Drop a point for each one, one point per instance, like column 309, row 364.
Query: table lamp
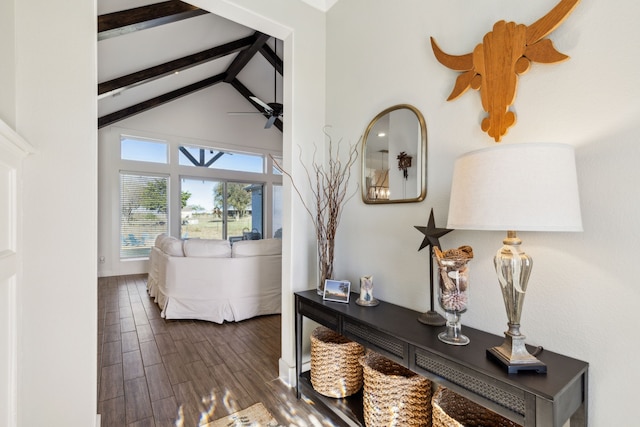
column 515, row 187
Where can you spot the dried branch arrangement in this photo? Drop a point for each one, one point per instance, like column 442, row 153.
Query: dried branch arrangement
column 329, row 183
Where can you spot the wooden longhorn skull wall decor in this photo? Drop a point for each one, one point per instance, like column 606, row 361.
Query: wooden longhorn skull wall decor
column 494, row 65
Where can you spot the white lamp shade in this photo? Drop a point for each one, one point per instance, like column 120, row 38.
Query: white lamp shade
column 519, row 187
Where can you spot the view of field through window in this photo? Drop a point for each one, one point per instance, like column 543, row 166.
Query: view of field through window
column 218, row 213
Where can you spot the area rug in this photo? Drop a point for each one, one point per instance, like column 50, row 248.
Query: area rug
column 254, row 416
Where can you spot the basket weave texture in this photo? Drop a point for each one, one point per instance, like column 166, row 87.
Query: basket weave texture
column 335, row 363
column 393, row 395
column 452, row 410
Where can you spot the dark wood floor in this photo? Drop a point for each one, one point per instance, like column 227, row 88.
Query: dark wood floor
column 156, row 372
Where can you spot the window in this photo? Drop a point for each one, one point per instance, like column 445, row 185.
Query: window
column 277, row 211
column 143, row 213
column 238, row 204
column 143, row 150
column 275, row 170
column 179, row 187
column 200, row 218
column 216, row 159
column 214, row 209
column 254, row 209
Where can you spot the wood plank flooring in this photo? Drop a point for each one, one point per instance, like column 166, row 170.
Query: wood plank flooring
column 156, row 372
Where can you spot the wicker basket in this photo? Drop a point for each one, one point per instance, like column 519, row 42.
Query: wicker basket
column 452, row 410
column 335, row 364
column 393, row 395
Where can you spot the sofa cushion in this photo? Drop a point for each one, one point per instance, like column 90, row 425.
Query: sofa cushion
column 207, row 248
column 249, row 248
column 172, row 246
column 161, row 238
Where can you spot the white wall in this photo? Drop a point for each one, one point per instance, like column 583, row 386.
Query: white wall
column 7, row 53
column 54, row 102
column 582, row 295
column 203, row 115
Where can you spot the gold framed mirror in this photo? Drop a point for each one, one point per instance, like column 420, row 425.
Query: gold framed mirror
column 394, row 157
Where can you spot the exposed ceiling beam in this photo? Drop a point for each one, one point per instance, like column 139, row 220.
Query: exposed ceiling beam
column 245, row 56
column 116, row 116
column 247, row 94
column 140, row 18
column 271, row 56
column 158, row 71
column 256, row 43
column 157, row 101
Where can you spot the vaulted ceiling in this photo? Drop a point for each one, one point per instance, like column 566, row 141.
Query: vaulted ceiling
column 155, row 53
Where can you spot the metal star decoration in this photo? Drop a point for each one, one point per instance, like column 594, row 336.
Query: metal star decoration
column 431, row 233
column 431, row 238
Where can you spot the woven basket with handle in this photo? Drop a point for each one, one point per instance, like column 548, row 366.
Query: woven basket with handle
column 393, row 395
column 452, row 410
column 335, row 363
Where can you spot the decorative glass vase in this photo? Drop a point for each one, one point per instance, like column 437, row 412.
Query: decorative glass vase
column 453, row 292
column 323, row 274
column 325, row 263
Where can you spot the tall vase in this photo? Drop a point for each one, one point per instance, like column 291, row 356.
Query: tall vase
column 325, row 263
column 453, row 297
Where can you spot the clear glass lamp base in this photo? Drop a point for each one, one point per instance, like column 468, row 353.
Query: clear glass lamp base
column 452, row 334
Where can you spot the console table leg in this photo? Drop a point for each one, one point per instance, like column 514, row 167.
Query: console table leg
column 579, row 418
column 298, row 332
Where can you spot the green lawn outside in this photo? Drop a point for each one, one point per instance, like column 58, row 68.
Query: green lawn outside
column 210, row 226
column 203, row 226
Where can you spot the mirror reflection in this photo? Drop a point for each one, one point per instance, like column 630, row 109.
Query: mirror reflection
column 394, row 157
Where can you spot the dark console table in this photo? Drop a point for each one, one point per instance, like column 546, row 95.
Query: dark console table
column 529, row 399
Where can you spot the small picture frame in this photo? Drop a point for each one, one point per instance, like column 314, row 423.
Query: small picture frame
column 336, row 290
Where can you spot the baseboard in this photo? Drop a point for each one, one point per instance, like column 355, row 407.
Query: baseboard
column 98, row 417
column 288, row 373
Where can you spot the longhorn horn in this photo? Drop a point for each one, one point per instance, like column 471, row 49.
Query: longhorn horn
column 545, row 25
column 457, row 63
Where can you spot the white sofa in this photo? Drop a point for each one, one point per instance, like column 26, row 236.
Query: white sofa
column 210, row 280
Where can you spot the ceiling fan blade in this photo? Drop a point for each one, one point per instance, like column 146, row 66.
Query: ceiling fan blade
column 263, row 104
column 270, row 122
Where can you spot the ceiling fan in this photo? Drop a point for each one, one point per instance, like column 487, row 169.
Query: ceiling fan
column 271, row 110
